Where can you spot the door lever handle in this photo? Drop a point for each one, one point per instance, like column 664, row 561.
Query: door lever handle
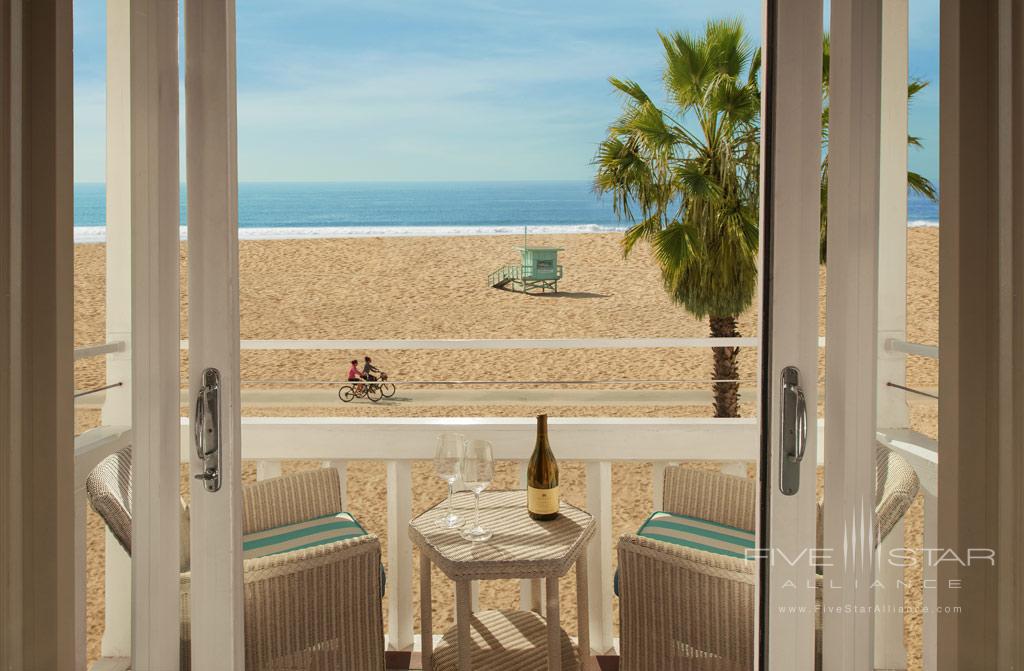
column 206, row 429
column 792, row 430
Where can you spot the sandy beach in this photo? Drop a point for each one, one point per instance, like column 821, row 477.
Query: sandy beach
column 433, row 288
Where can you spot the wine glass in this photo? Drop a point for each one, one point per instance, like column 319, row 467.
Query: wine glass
column 477, row 473
column 451, row 447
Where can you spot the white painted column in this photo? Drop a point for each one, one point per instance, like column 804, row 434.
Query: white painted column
column 400, row 633
column 892, row 216
column 599, row 556
column 851, row 358
column 117, row 404
column 143, row 177
column 891, row 403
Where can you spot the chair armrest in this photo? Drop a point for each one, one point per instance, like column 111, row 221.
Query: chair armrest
column 680, row 607
column 290, row 499
column 716, row 497
column 896, row 485
column 317, row 607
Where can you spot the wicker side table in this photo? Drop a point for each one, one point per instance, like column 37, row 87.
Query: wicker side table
column 521, row 548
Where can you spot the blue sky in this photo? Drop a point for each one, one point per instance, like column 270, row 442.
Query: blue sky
column 337, row 90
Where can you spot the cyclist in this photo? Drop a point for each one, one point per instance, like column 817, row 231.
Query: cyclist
column 369, row 369
column 354, row 375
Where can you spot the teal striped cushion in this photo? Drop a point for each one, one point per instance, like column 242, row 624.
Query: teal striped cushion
column 318, row 531
column 693, row 532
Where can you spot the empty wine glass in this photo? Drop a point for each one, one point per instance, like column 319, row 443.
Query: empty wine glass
column 477, row 473
column 447, row 457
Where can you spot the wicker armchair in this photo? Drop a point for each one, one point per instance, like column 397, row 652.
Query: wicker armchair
column 683, row 609
column 330, row 592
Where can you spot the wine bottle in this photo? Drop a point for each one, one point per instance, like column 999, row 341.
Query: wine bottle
column 542, row 497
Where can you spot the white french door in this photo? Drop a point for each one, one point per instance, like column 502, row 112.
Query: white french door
column 213, row 333
column 791, row 153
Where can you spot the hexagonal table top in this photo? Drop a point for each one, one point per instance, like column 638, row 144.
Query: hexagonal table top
column 520, row 547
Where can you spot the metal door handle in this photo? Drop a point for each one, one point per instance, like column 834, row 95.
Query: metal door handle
column 206, row 429
column 792, row 431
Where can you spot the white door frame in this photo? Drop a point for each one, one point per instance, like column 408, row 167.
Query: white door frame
column 791, row 150
column 142, row 188
column 212, row 178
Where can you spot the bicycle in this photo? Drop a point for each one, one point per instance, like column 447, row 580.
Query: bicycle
column 370, row 390
column 387, row 389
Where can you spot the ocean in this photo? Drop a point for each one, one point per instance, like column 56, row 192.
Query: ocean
column 280, row 210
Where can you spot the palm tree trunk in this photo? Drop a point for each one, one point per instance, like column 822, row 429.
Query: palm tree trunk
column 726, row 394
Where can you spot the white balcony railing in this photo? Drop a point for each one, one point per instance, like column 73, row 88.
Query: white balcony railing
column 334, row 441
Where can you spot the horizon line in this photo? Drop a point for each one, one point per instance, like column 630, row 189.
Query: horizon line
column 381, row 181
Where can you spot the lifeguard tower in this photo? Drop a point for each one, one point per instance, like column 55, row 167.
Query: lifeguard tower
column 539, row 271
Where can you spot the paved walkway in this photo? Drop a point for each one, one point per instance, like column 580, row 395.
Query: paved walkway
column 463, row 396
column 447, row 397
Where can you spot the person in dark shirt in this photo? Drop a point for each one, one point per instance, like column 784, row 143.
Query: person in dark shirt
column 369, row 370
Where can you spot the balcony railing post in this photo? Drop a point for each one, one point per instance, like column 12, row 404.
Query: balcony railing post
column 117, row 601
column 736, row 468
column 400, row 634
column 266, row 469
column 599, row 556
column 80, row 576
column 530, row 591
column 929, row 577
column 890, row 653
column 342, row 468
column 658, row 484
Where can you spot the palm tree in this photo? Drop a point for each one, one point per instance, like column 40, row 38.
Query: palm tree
column 916, row 182
column 691, row 190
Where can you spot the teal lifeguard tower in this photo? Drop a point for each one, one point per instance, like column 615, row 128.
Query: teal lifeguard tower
column 539, row 271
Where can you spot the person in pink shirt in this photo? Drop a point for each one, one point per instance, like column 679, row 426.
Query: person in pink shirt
column 353, row 371
column 354, row 375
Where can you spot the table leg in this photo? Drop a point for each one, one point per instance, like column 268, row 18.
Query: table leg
column 463, row 613
column 554, row 626
column 426, row 614
column 582, row 610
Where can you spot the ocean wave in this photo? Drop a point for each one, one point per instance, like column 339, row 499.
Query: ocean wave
column 87, row 234
column 94, row 234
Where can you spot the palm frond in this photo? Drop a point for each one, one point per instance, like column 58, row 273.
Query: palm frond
column 922, row 186
column 754, row 72
column 915, row 86
column 631, row 89
column 641, row 231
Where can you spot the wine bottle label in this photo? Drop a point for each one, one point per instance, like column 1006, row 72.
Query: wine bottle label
column 542, row 501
